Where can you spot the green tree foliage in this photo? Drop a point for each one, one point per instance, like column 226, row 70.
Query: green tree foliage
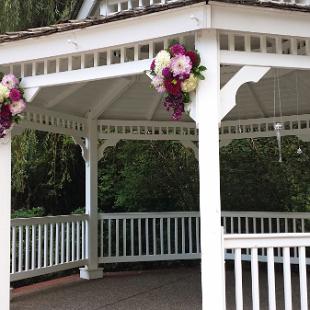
column 49, row 172
column 23, row 14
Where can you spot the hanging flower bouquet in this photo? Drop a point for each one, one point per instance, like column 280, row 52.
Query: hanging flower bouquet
column 12, row 103
column 176, row 72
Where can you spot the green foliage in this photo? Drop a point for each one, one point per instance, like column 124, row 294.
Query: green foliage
column 24, row 213
column 22, row 14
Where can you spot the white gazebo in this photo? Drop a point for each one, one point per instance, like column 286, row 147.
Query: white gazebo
column 85, row 78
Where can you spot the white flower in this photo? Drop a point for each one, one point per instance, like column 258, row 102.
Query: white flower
column 4, row 93
column 190, row 84
column 158, row 84
column 162, row 60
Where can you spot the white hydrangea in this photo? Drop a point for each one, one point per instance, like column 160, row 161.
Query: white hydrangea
column 4, row 93
column 190, row 84
column 162, row 60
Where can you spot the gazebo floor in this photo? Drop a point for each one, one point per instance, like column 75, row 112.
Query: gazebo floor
column 169, row 289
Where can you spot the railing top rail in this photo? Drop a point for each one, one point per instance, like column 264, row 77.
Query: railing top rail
column 260, row 214
column 137, row 215
column 246, row 241
column 49, row 219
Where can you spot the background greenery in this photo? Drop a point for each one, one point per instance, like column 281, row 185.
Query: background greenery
column 48, row 170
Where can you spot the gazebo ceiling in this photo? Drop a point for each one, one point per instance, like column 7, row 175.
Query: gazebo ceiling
column 135, row 100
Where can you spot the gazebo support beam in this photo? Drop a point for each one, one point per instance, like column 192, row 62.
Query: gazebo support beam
column 5, row 221
column 91, row 271
column 208, row 99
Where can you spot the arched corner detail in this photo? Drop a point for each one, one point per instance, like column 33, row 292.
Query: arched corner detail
column 191, row 145
column 229, row 90
column 105, row 145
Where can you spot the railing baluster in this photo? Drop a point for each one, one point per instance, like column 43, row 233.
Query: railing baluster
column 147, row 246
column 176, row 236
column 27, row 249
column 197, row 236
column 39, row 246
column 124, row 237
column 13, row 249
column 183, row 235
column 109, row 238
column 169, row 235
column 51, row 244
column 287, row 279
column 20, row 248
column 33, row 246
column 303, row 279
column 255, row 280
column 139, row 237
column 117, row 238
column 161, row 236
column 67, row 242
column 238, row 280
column 271, row 280
column 83, row 238
column 72, row 241
column 45, row 245
column 132, row 237
column 101, row 238
column 62, row 253
column 78, row 241
column 190, row 235
column 154, row 237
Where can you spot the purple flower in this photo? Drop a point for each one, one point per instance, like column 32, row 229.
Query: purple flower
column 10, row 81
column 5, row 117
column 167, row 73
column 15, row 94
column 176, row 104
column 152, row 67
column 177, row 49
column 194, row 57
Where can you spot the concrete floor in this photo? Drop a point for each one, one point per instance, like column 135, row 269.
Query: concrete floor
column 171, row 289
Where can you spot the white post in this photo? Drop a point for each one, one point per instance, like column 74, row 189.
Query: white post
column 208, row 99
column 5, row 221
column 91, row 271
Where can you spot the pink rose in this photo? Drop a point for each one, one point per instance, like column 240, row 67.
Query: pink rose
column 17, row 107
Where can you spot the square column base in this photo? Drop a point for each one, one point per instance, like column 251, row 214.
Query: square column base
column 91, row 274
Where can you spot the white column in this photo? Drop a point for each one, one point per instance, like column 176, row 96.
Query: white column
column 91, row 271
column 208, row 98
column 5, row 221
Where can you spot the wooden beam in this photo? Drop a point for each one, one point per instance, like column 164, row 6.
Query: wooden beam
column 86, row 75
column 31, row 93
column 110, row 95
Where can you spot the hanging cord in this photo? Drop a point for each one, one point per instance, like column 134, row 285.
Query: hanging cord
column 278, row 126
column 299, row 150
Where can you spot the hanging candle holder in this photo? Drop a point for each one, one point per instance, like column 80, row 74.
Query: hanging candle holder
column 278, row 127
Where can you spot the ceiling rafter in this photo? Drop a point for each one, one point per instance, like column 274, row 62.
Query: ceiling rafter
column 119, row 87
column 257, row 100
column 64, row 94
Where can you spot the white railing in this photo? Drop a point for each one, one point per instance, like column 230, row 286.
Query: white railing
column 241, row 244
column 132, row 237
column 47, row 244
column 50, row 244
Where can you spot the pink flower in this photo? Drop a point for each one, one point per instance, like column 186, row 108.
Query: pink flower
column 177, row 49
column 158, row 84
column 17, row 107
column 15, row 94
column 167, row 73
column 10, row 81
column 181, row 65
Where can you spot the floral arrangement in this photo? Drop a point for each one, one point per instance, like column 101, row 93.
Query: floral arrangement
column 176, row 72
column 12, row 103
